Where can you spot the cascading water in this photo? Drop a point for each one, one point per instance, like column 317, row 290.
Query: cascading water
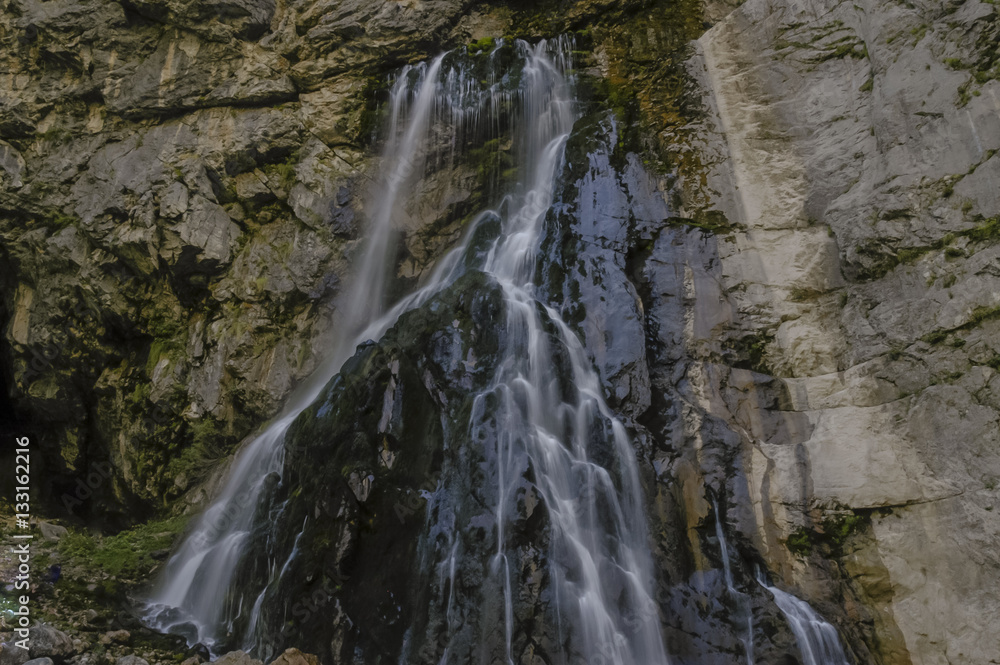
column 741, row 600
column 189, row 599
column 817, row 639
column 598, row 552
column 599, row 562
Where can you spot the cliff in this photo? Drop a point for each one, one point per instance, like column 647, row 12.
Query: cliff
column 787, row 213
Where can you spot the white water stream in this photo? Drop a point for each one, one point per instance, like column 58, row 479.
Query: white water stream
column 604, row 574
column 600, row 565
column 817, row 639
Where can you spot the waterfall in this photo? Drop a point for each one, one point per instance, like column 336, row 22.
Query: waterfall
column 741, row 600
column 600, row 549
column 817, row 639
column 189, row 598
column 600, row 565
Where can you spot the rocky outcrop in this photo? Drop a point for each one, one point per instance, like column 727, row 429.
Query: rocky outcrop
column 380, row 436
column 778, row 244
column 179, row 184
column 47, row 641
column 853, row 151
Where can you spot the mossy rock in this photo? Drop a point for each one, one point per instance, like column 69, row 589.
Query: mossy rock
column 357, row 464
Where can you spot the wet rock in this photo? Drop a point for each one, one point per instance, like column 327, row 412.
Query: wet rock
column 40, row 661
column 401, row 406
column 131, row 660
column 295, row 657
column 237, row 658
column 200, row 652
column 51, row 642
column 13, row 655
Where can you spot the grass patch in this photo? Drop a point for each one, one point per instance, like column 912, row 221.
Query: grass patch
column 750, row 352
column 878, row 261
column 830, row 536
column 980, row 315
column 485, row 45
column 126, row 553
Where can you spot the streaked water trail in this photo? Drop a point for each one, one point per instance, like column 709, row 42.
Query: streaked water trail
column 191, row 596
column 817, row 639
column 740, row 600
column 600, row 564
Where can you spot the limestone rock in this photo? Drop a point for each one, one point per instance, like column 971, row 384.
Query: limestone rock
column 51, row 642
column 12, row 655
column 119, row 636
column 295, row 657
column 131, row 660
column 52, row 531
column 237, row 658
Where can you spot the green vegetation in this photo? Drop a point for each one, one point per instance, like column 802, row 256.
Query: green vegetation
column 485, row 45
column 127, row 553
column 979, row 316
column 879, row 261
column 713, row 221
column 804, row 294
column 285, row 170
column 986, row 65
column 830, row 536
column 207, row 445
column 61, row 220
column 842, row 48
column 750, row 352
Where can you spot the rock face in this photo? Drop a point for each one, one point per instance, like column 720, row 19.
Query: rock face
column 856, row 157
column 352, row 590
column 179, row 186
column 778, row 244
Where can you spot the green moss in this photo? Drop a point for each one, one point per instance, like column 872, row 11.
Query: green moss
column 935, row 337
column 879, row 261
column 828, row 537
column 714, row 221
column 982, row 314
column 842, row 48
column 804, row 294
column 800, row 542
column 838, row 529
column 987, row 230
column 750, row 352
column 126, row 553
column 485, row 45
column 163, row 322
column 61, row 220
column 979, row 316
